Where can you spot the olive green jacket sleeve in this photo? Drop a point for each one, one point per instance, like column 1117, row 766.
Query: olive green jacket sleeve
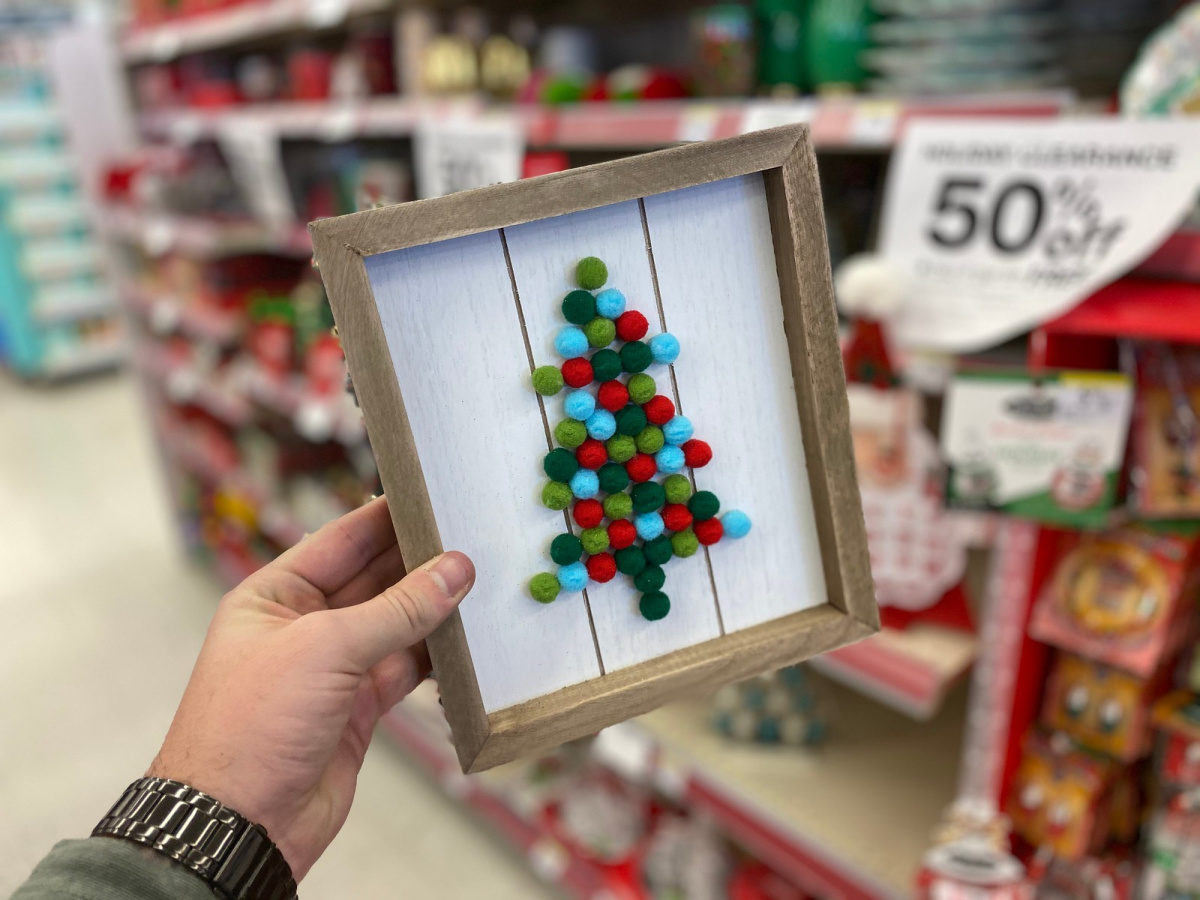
column 110, row 869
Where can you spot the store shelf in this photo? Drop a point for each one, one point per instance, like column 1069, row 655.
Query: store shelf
column 166, row 314
column 161, row 233
column 91, row 356
column 67, row 303
column 1138, row 308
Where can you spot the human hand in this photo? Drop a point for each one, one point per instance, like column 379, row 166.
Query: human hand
column 300, row 662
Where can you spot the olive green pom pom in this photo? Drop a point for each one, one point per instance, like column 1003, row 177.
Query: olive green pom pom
column 621, row 448
column 651, row 578
column 618, row 506
column 544, row 587
column 600, row 333
column 654, row 606
column 635, row 356
column 547, row 380
column 703, row 505
column 591, row 273
column 684, row 543
column 565, row 549
column 594, row 540
column 606, row 365
column 658, row 551
column 648, row 496
column 630, row 560
column 560, row 464
column 630, row 420
column 678, row 488
column 641, row 388
column 613, row 478
column 579, row 307
column 570, row 433
column 557, row 495
column 650, row 439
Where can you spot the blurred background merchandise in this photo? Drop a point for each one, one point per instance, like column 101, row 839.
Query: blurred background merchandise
column 1026, row 724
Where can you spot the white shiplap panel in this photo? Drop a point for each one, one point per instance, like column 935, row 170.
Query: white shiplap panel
column 455, row 339
column 720, row 295
column 544, row 254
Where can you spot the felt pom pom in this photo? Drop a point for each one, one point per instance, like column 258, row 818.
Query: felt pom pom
column 588, row 513
column 591, row 273
column 631, row 326
column 612, row 396
column 573, row 577
column 664, row 348
column 618, row 506
column 736, row 523
column 704, row 505
column 649, row 525
column 543, row 587
column 630, row 420
column 649, row 439
column 677, row 488
column 641, row 388
column 648, row 497
column 654, row 606
column 579, row 307
column 592, row 455
column 570, row 433
column 579, row 405
column 584, row 484
column 577, row 372
column 601, row 425
column 610, row 303
column 676, row 517
column 659, row 410
column 613, row 478
column 635, row 356
column 684, row 543
column 709, row 531
column 594, row 540
column 678, row 430
column 630, row 560
column 641, row 468
column 602, row 567
column 600, row 331
column 560, row 464
column 658, row 551
column 556, row 495
column 669, row 459
column 606, row 365
column 565, row 549
column 621, row 448
column 651, row 578
column 571, row 342
column 621, row 534
column 696, row 453
column 548, row 380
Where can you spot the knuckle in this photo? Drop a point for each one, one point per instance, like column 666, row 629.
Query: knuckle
column 406, row 605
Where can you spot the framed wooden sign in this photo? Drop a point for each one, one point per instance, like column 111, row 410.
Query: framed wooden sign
column 447, row 306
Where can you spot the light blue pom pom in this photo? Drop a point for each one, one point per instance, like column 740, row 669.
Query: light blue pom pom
column 601, row 425
column 678, row 430
column 610, row 303
column 579, row 405
column 585, row 483
column 571, row 342
column 669, row 458
column 573, row 577
column 649, row 525
column 664, row 347
column 735, row 523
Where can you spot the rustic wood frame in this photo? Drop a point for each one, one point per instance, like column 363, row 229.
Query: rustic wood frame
column 785, row 158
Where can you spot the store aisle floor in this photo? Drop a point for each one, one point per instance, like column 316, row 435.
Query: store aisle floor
column 101, row 619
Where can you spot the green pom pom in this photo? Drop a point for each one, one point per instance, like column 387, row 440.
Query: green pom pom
column 547, row 380
column 658, row 551
column 594, row 540
column 630, row 560
column 635, row 356
column 557, row 495
column 684, row 543
column 570, row 433
column 641, row 388
column 579, row 307
column 591, row 273
column 704, row 505
column 678, row 488
column 565, row 549
column 621, row 448
column 630, row 420
column 606, row 365
column 618, row 506
column 650, row 439
column 613, row 478
column 600, row 332
column 560, row 464
column 648, row 496
column 651, row 578
column 654, row 606
column 543, row 587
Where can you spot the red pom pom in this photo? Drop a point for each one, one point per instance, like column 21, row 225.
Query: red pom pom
column 591, row 454
column 659, row 410
column 621, row 534
column 601, row 567
column 709, row 531
column 696, row 453
column 642, row 467
column 631, row 325
column 612, row 396
column 577, row 372
column 588, row 513
column 676, row 516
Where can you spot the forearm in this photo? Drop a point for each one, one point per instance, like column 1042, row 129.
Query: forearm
column 109, row 869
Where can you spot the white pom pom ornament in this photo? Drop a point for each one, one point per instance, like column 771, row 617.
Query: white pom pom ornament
column 868, row 286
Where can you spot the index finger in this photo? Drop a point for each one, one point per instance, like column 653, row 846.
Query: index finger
column 341, row 549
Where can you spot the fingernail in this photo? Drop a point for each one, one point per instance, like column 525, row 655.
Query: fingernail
column 449, row 573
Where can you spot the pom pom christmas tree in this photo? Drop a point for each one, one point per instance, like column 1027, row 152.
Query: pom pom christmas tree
column 621, row 453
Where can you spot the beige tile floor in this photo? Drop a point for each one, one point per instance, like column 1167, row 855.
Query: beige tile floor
column 100, row 619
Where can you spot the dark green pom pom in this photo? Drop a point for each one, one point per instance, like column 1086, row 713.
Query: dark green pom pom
column 654, row 606
column 591, row 273
column 560, row 464
column 658, row 551
column 703, row 505
column 635, row 356
column 566, row 549
column 630, row 560
column 630, row 420
column 648, row 496
column 606, row 365
column 543, row 587
column 651, row 578
column 613, row 478
column 547, row 380
column 579, row 307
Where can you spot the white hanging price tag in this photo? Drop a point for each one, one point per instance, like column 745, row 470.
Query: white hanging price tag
column 773, row 113
column 457, row 154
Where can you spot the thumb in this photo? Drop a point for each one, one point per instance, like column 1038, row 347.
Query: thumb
column 407, row 612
